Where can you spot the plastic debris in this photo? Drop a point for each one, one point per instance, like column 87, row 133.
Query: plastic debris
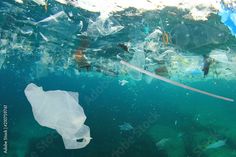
column 126, row 127
column 194, row 37
column 103, row 26
column 2, row 59
column 123, row 82
column 19, row 1
column 224, row 63
column 206, row 65
column 52, row 17
column 219, row 56
column 216, row 144
column 191, row 67
column 174, row 82
column 139, row 61
column 53, row 27
column 82, row 60
column 60, row 110
column 27, row 30
column 44, row 37
column 152, row 41
column 40, row 2
column 62, row 1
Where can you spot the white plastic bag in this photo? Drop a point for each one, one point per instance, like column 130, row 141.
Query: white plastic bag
column 60, row 110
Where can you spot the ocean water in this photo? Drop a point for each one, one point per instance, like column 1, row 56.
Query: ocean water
column 165, row 120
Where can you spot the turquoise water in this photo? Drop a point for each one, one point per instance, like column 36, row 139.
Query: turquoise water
column 167, row 121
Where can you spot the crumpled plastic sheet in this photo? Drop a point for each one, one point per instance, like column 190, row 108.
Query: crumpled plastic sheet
column 103, row 26
column 60, row 110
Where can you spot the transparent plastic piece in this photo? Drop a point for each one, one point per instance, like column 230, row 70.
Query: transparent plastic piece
column 60, row 110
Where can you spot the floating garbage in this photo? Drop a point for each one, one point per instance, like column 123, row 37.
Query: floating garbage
column 44, row 37
column 218, row 64
column 62, row 1
column 27, row 30
column 216, row 144
column 139, row 61
column 123, row 82
column 40, row 2
column 60, row 110
column 174, row 82
column 185, row 66
column 58, row 29
column 52, row 17
column 219, row 56
column 126, row 127
column 103, row 26
column 82, row 60
column 19, row 1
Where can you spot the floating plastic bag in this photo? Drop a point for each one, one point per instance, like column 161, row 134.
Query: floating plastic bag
column 152, row 41
column 103, row 26
column 60, row 110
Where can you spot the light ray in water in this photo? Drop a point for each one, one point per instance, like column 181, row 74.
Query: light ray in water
column 174, row 82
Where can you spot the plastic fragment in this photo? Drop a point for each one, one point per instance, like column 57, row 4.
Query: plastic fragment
column 52, row 17
column 19, row 1
column 40, row 2
column 103, row 26
column 62, row 1
column 44, row 37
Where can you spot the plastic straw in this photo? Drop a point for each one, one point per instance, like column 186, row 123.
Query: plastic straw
column 174, row 82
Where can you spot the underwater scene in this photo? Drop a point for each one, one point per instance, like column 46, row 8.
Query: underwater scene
column 118, row 78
